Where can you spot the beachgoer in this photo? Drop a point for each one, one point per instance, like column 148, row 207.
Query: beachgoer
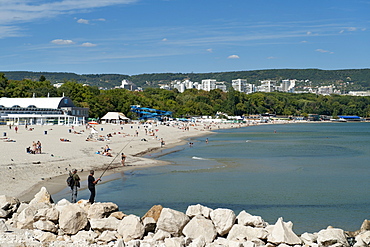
column 162, row 142
column 38, row 147
column 123, row 159
column 34, row 147
column 206, row 140
column 91, row 182
column 16, row 129
column 76, row 185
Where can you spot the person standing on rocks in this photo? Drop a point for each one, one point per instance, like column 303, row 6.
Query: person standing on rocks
column 76, row 185
column 91, row 182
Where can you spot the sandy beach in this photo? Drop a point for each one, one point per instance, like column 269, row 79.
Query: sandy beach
column 23, row 174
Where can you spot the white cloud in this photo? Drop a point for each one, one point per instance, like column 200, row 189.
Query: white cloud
column 88, row 44
column 324, row 51
column 209, row 50
column 83, row 21
column 233, row 57
column 271, row 57
column 100, row 19
column 62, row 42
column 164, row 40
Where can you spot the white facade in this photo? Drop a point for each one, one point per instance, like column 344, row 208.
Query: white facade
column 288, row 85
column 267, row 86
column 208, row 84
column 239, row 85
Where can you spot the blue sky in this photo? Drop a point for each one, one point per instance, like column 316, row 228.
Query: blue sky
column 158, row 36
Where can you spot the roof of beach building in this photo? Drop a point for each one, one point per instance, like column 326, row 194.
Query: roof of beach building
column 49, row 102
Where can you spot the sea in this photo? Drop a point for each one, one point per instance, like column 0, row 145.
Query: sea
column 312, row 174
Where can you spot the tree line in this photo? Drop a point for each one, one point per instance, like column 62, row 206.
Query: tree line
column 190, row 103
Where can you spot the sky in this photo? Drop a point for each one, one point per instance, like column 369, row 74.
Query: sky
column 133, row 37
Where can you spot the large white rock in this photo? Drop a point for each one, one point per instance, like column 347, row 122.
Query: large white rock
column 3, row 226
column 8, row 203
column 172, row 221
column 246, row 219
column 42, row 196
column 45, row 225
column 199, row 226
column 198, row 242
column 331, row 236
column 282, row 233
column 149, row 224
column 244, row 233
column 174, row 242
column 72, row 219
column 104, row 224
column 51, row 214
column 84, row 237
column 309, row 238
column 45, row 237
column 198, row 209
column 131, row 228
column 360, row 242
column 108, row 236
column 25, row 218
column 101, row 210
column 226, row 242
column 223, row 219
column 161, row 235
column 365, row 237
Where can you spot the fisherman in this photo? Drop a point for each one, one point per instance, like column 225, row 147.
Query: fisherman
column 91, row 182
column 76, row 185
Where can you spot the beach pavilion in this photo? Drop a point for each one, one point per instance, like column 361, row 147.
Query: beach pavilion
column 40, row 111
column 114, row 117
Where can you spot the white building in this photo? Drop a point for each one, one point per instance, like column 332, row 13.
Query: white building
column 221, row 85
column 250, row 88
column 325, row 90
column 208, row 84
column 50, row 110
column 267, row 86
column 359, row 93
column 239, row 85
column 288, row 85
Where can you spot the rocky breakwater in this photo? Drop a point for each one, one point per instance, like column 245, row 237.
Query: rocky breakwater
column 44, row 223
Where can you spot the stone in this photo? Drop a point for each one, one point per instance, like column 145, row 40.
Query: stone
column 119, row 215
column 172, row 221
column 332, row 236
column 360, row 242
column 161, row 235
column 104, row 224
column 365, row 226
column 131, row 228
column 51, row 214
column 282, row 233
column 309, row 238
column 198, row 242
column 133, row 243
column 198, row 209
column 108, row 236
column 154, row 212
column 244, row 233
column 174, row 242
column 42, row 196
column 25, row 218
column 149, row 224
column 246, row 219
column 101, row 210
column 364, row 236
column 45, row 225
column 84, row 236
column 226, row 242
column 223, row 219
column 46, row 237
column 72, row 219
column 199, row 226
column 4, row 213
column 9, row 204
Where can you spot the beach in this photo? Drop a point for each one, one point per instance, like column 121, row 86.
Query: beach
column 64, row 148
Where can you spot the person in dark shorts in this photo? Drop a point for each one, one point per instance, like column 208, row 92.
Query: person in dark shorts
column 91, row 182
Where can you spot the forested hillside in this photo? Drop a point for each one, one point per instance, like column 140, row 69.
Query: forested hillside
column 350, row 79
column 190, row 103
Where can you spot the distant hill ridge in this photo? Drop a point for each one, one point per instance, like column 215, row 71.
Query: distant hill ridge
column 355, row 79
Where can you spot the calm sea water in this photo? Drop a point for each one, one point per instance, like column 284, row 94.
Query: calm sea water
column 314, row 175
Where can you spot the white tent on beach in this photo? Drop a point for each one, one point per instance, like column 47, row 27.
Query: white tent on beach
column 114, row 117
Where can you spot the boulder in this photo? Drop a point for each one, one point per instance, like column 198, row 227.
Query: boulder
column 226, row 242
column 9, row 204
column 72, row 219
column 51, row 214
column 149, row 224
column 119, row 215
column 244, row 233
column 45, row 225
column 161, row 235
column 108, row 236
column 282, row 233
column 364, row 236
column 223, row 219
column 45, row 237
column 131, row 228
column 198, row 209
column 365, row 226
column 25, row 218
column 332, row 236
column 199, row 226
column 154, row 212
column 309, row 238
column 101, row 210
column 174, row 242
column 360, row 242
column 84, row 236
column 246, row 219
column 42, row 196
column 4, row 213
column 198, row 242
column 104, row 224
column 172, row 221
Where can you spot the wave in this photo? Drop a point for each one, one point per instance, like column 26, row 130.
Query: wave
column 199, row 158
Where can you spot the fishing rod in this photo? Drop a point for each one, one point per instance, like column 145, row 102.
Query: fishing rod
column 115, row 157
